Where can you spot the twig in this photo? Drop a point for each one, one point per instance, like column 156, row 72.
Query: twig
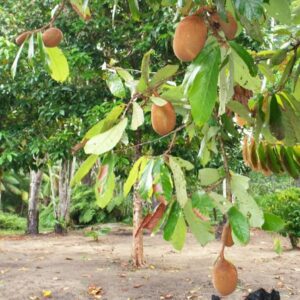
column 171, row 144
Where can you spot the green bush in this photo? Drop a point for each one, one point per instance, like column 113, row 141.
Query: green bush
column 12, row 222
column 285, row 204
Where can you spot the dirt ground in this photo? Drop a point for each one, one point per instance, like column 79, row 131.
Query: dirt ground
column 73, row 267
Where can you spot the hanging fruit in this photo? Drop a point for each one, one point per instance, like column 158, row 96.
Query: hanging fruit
column 190, row 37
column 52, row 37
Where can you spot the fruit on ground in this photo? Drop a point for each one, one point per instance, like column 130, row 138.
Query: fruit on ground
column 225, row 276
column 163, row 118
column 229, row 27
column 227, row 236
column 52, row 37
column 22, row 37
column 190, row 37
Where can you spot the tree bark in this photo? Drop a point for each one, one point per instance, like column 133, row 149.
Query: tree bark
column 64, row 193
column 137, row 245
column 33, row 212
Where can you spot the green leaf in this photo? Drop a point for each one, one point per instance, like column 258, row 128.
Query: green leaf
column 179, row 234
column 134, row 9
column 184, row 164
column 239, row 225
column 31, row 47
column 58, row 64
column 252, row 10
column 104, row 198
column 179, row 182
column 202, row 83
column 146, row 181
column 242, row 75
column 245, row 56
column 143, row 83
column 15, row 63
column 200, row 229
column 172, row 220
column 209, row 176
column 275, row 122
column 106, row 123
column 163, row 75
column 241, row 110
column 137, row 116
column 280, row 10
column 133, row 175
column 220, row 202
column 107, row 140
column 115, row 85
column 272, row 223
column 166, row 182
column 84, row 169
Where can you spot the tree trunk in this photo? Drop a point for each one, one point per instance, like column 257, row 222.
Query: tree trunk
column 64, row 193
column 137, row 245
column 294, row 241
column 33, row 212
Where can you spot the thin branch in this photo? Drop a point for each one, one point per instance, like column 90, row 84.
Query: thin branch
column 171, row 144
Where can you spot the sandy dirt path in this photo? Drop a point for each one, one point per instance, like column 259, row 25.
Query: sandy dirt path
column 68, row 265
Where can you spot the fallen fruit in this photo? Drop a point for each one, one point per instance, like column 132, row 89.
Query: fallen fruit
column 52, row 37
column 190, row 37
column 225, row 276
column 163, row 118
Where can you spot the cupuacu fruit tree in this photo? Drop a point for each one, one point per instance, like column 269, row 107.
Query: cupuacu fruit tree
column 226, row 87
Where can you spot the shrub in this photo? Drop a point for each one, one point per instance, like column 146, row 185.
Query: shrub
column 12, row 222
column 285, row 204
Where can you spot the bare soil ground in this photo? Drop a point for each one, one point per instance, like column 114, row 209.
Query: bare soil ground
column 73, row 267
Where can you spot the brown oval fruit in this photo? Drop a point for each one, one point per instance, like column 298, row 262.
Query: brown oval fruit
column 190, row 37
column 225, row 276
column 229, row 28
column 52, row 37
column 227, row 236
column 22, row 37
column 163, row 118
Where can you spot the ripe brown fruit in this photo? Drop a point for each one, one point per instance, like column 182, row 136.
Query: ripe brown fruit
column 22, row 37
column 190, row 37
column 163, row 118
column 229, row 28
column 225, row 276
column 52, row 37
column 227, row 236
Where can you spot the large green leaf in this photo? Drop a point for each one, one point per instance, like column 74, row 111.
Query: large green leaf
column 239, row 224
column 84, row 169
column 209, row 176
column 134, row 9
column 200, row 229
column 242, row 75
column 220, row 202
column 179, row 234
column 106, row 123
column 245, row 56
column 241, row 110
column 143, row 83
column 116, row 86
column 58, row 64
column 163, row 75
column 146, row 181
column 107, row 140
column 179, row 182
column 133, row 175
column 137, row 116
column 173, row 217
column 272, row 223
column 15, row 63
column 280, row 10
column 104, row 198
column 201, row 83
column 250, row 9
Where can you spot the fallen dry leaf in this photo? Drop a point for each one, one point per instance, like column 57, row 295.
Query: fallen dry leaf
column 47, row 294
column 136, row 286
column 95, row 291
